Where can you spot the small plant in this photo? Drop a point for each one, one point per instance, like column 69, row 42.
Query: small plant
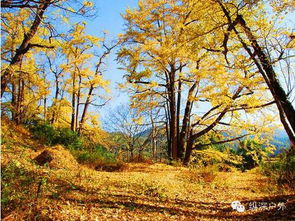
column 14, row 177
column 281, row 170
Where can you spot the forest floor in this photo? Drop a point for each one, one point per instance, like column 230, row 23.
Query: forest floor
column 138, row 192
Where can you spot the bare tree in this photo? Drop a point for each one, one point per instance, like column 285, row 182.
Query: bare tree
column 122, row 120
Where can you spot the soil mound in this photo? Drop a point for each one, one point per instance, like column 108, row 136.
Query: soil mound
column 57, row 157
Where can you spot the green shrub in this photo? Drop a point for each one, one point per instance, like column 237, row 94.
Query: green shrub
column 44, row 132
column 252, row 153
column 49, row 135
column 98, row 158
column 68, row 138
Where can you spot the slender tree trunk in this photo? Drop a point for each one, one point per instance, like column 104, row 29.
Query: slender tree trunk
column 87, row 102
column 13, row 101
column 78, row 103
column 167, row 123
column 55, row 97
column 153, row 135
column 179, row 147
column 172, row 107
column 45, row 109
column 131, row 154
column 18, row 103
column 20, row 99
column 73, row 102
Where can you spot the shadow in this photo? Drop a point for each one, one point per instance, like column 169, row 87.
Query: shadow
column 193, row 210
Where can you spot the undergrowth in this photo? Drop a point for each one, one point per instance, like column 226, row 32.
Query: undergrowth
column 282, row 170
column 95, row 156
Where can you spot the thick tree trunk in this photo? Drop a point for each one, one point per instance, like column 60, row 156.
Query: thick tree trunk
column 186, row 118
column 188, row 150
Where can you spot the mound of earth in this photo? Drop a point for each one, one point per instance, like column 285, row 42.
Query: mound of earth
column 57, row 157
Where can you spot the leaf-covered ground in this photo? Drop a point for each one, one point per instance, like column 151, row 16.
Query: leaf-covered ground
column 152, row 192
column 138, row 192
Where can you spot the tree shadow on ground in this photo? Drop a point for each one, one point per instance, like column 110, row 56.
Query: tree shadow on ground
column 194, row 210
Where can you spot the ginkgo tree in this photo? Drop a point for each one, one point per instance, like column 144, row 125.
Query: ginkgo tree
column 26, row 75
column 83, row 78
column 34, row 17
column 53, row 73
column 269, row 47
column 168, row 54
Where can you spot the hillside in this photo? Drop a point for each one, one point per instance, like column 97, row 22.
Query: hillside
column 69, row 191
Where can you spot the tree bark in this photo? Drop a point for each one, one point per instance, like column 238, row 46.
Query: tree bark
column 78, row 103
column 179, row 147
column 73, row 102
column 172, row 106
column 25, row 45
column 87, row 102
column 188, row 150
column 186, row 117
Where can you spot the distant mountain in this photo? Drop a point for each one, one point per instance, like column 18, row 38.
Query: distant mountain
column 280, row 141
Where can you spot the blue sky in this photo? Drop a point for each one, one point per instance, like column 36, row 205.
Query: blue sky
column 109, row 18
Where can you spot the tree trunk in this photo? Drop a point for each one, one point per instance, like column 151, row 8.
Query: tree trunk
column 167, row 130
column 153, row 136
column 45, row 109
column 87, row 102
column 179, row 146
column 73, row 103
column 269, row 75
column 13, row 102
column 188, row 150
column 172, row 107
column 78, row 103
column 24, row 47
column 186, row 117
column 55, row 97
